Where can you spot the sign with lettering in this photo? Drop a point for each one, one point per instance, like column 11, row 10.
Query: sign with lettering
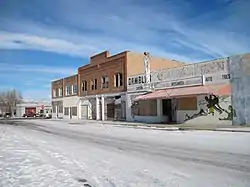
column 209, row 69
column 168, row 84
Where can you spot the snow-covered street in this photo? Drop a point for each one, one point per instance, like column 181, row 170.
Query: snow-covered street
column 55, row 153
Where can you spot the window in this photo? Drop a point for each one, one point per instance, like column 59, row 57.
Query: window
column 129, row 81
column 54, row 92
column 67, row 89
column 187, row 103
column 94, row 84
column 209, row 79
column 74, row 111
column 147, row 108
column 74, row 89
column 60, row 92
column 118, row 80
column 105, row 82
column 66, row 111
column 84, row 86
column 226, row 76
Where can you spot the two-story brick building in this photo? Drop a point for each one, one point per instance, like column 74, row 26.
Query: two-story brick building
column 102, row 85
column 57, row 98
column 65, row 98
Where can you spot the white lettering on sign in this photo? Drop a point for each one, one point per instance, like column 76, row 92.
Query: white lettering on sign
column 209, row 68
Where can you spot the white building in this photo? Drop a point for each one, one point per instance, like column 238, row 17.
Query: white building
column 33, row 106
column 65, row 100
column 182, row 95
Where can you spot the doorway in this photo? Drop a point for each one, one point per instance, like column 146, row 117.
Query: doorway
column 111, row 111
column 167, row 109
column 84, row 112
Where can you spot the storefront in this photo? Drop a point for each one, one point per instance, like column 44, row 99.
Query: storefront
column 103, row 107
column 206, row 104
column 195, row 93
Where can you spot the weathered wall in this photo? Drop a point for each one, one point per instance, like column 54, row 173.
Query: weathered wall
column 135, row 63
column 240, row 80
column 208, row 112
column 214, row 71
column 70, row 81
column 69, row 102
column 55, row 85
column 100, row 67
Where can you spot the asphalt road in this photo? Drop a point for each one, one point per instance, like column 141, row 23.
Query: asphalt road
column 132, row 157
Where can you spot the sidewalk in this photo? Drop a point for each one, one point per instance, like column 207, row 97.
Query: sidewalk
column 166, row 127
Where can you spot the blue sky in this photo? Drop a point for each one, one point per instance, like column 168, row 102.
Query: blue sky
column 43, row 40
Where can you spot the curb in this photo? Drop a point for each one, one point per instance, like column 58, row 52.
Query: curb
column 229, row 130
column 180, row 129
column 149, row 128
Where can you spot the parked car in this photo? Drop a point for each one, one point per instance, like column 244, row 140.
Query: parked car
column 48, row 116
column 29, row 115
column 7, row 115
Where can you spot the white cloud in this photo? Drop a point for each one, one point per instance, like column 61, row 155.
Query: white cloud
column 23, row 41
column 59, row 71
column 163, row 28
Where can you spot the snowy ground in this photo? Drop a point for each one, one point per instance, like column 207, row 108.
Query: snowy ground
column 52, row 153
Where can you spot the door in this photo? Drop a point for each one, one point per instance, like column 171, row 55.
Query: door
column 167, row 109
column 84, row 112
column 111, row 110
column 174, row 110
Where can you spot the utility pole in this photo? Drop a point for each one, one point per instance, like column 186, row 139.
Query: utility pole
column 5, row 116
column 147, row 68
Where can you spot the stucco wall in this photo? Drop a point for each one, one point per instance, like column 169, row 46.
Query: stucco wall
column 147, row 119
column 204, row 116
column 240, row 81
column 214, row 72
column 71, row 102
column 135, row 63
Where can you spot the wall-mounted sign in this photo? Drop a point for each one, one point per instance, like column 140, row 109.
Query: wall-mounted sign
column 178, row 83
column 209, row 68
column 167, row 84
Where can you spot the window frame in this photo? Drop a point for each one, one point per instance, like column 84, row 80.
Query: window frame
column 105, row 81
column 60, row 92
column 118, row 80
column 74, row 89
column 93, row 84
column 84, row 85
column 67, row 90
column 54, row 93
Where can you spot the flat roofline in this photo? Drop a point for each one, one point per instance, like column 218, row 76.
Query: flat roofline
column 75, row 75
column 108, row 58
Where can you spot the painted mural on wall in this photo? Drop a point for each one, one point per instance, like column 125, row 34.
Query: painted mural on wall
column 212, row 105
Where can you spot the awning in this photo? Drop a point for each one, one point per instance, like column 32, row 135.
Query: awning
column 222, row 89
column 118, row 101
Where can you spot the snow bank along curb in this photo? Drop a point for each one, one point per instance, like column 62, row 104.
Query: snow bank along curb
column 152, row 127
